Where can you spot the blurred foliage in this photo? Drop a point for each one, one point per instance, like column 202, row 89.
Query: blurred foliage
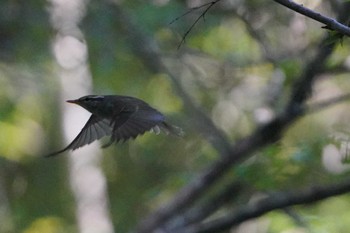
column 222, row 67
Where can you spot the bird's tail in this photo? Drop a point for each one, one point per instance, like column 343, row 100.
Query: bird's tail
column 171, row 129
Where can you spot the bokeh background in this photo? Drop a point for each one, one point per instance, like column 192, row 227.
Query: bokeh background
column 237, row 65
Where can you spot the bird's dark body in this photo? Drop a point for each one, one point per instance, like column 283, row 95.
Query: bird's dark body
column 121, row 117
column 113, row 105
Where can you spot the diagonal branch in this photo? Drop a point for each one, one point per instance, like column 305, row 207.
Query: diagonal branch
column 331, row 23
column 270, row 203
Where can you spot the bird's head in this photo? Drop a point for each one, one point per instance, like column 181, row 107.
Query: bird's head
column 91, row 103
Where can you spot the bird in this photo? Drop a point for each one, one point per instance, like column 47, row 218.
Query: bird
column 120, row 117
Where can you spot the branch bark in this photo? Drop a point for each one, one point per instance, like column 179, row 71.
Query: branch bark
column 331, row 23
column 270, row 203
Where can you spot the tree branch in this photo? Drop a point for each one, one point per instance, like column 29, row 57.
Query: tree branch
column 270, row 203
column 331, row 23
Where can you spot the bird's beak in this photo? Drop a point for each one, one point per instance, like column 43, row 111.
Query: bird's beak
column 72, row 101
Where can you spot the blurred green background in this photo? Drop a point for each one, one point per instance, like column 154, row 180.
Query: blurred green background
column 238, row 65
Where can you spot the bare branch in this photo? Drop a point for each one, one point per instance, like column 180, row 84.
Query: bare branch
column 270, row 203
column 331, row 23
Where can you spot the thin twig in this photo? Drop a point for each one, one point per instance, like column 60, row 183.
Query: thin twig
column 208, row 6
column 190, row 11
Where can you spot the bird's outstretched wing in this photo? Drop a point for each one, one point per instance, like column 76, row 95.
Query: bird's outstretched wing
column 94, row 129
column 131, row 123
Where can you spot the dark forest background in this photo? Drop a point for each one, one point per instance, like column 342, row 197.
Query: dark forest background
column 259, row 89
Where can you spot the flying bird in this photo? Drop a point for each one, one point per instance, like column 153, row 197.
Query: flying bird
column 120, row 117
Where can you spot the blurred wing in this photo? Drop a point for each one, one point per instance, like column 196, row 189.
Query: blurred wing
column 94, row 129
column 135, row 124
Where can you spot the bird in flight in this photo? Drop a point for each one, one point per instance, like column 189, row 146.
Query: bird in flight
column 120, row 117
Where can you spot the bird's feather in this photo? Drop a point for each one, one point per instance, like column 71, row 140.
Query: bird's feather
column 94, row 129
column 131, row 124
